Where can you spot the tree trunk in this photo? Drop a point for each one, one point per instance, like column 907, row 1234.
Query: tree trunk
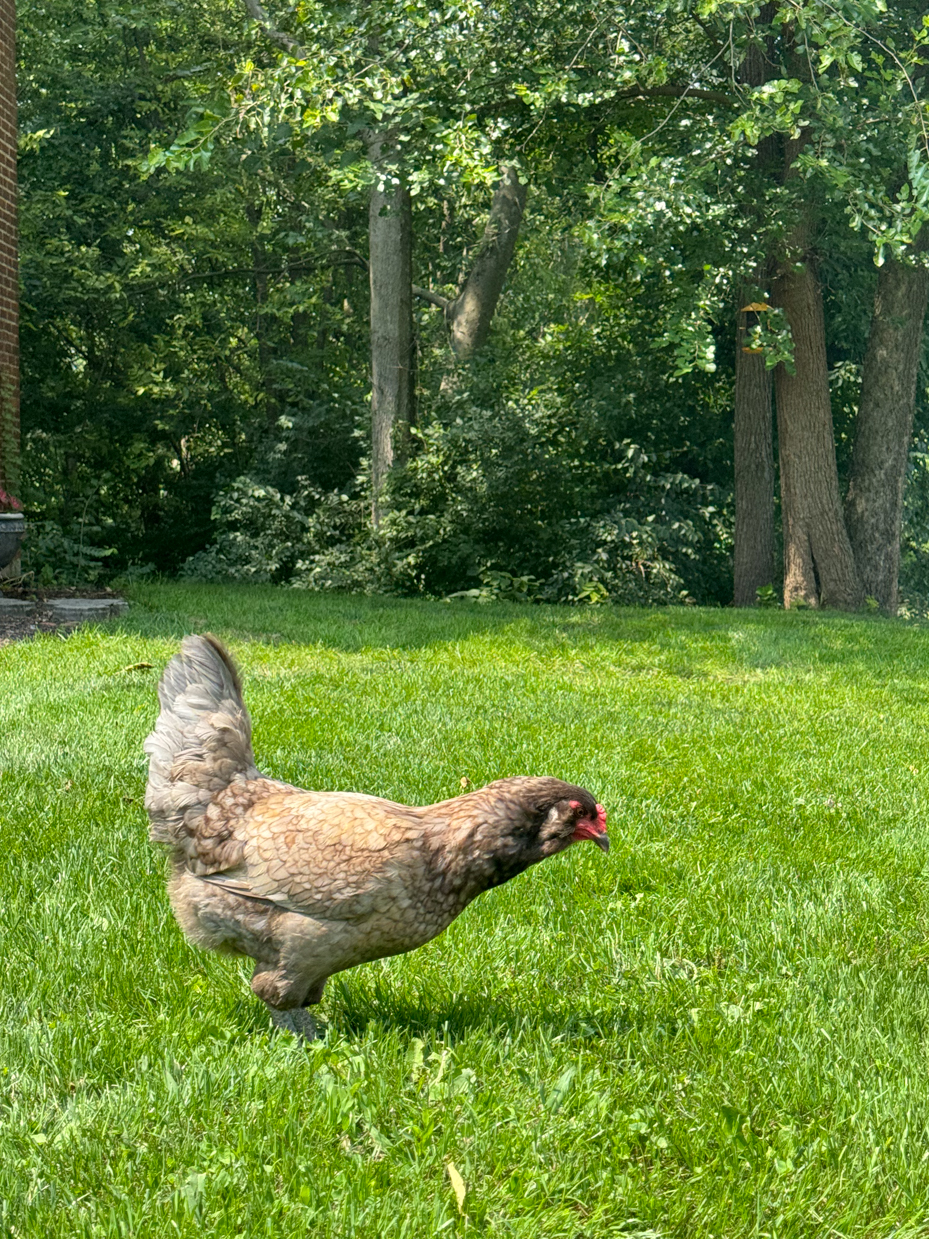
column 874, row 505
column 391, row 274
column 753, row 467
column 472, row 311
column 819, row 567
column 753, row 440
column 470, row 314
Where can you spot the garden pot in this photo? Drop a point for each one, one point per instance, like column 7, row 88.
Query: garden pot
column 12, row 531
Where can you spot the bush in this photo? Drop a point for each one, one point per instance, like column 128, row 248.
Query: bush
column 259, row 535
column 525, row 503
column 53, row 555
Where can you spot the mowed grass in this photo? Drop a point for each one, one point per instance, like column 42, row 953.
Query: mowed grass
column 720, row 1029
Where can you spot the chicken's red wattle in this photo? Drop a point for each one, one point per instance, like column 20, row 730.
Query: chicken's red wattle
column 587, row 828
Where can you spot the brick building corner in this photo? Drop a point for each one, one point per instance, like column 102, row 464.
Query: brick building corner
column 9, row 266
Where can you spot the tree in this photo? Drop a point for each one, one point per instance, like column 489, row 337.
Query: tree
column 819, row 566
column 874, row 504
column 825, row 122
column 855, row 128
column 424, row 92
column 390, row 266
column 753, row 471
column 470, row 312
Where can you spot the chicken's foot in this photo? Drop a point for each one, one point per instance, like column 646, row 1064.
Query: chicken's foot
column 297, row 1021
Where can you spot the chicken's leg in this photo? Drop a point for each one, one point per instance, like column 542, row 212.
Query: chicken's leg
column 297, row 1021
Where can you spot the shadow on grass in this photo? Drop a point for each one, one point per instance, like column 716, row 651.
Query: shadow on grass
column 353, row 1012
column 347, row 623
column 685, row 639
column 354, row 1015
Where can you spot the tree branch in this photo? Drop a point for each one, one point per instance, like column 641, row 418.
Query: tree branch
column 433, row 298
column 677, row 92
column 470, row 315
column 289, row 44
column 301, row 264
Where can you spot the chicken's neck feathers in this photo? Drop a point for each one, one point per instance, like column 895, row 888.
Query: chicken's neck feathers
column 467, row 849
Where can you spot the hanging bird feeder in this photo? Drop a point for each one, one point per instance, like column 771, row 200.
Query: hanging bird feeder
column 749, row 319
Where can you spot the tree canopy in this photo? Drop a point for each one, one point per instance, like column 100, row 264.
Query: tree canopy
column 201, row 240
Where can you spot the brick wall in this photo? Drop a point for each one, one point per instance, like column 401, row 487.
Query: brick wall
column 9, row 278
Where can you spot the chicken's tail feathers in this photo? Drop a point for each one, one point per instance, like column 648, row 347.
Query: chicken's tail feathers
column 202, row 739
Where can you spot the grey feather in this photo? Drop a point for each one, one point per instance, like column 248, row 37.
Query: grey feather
column 201, row 742
column 233, row 886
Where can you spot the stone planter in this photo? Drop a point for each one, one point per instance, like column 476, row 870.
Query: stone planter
column 12, row 531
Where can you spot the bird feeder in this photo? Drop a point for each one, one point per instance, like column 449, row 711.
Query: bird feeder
column 749, row 318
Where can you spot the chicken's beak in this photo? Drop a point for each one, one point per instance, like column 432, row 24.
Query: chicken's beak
column 600, row 836
column 586, row 829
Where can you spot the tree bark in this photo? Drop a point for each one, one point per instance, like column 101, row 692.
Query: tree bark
column 753, row 467
column 874, row 504
column 390, row 239
column 819, row 567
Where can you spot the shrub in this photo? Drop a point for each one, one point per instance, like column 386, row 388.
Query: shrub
column 53, row 555
column 523, row 503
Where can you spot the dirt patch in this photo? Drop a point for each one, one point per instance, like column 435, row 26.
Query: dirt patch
column 40, row 618
column 22, row 627
column 36, row 593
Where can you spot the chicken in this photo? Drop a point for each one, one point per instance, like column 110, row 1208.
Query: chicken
column 310, row 883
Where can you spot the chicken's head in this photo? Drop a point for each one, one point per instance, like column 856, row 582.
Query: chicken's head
column 530, row 819
column 572, row 818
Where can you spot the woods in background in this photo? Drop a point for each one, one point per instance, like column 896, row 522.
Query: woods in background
column 452, row 301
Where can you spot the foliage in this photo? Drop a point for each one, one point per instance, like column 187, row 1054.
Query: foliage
column 259, row 532
column 146, row 383
column 511, row 497
column 767, row 596
column 195, row 298
column 52, row 555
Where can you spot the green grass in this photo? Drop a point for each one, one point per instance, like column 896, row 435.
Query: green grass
column 720, row 1029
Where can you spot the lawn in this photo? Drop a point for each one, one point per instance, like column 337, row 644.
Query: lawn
column 719, row 1029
